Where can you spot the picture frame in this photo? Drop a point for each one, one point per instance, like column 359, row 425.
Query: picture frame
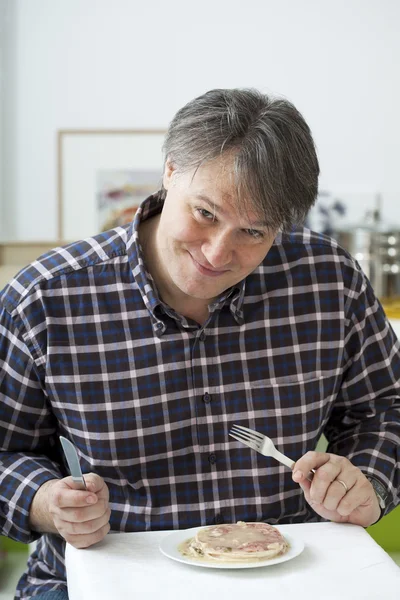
column 84, row 155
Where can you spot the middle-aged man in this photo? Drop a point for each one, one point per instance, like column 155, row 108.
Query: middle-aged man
column 144, row 344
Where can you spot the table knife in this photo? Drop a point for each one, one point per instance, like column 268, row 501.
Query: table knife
column 71, row 455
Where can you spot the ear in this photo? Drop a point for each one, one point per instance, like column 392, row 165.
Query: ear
column 169, row 173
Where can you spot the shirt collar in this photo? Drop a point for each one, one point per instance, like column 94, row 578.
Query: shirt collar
column 148, row 208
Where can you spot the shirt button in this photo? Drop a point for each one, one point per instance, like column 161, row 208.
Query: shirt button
column 212, row 459
column 219, row 519
column 202, row 336
column 3, row 508
column 159, row 328
column 207, row 398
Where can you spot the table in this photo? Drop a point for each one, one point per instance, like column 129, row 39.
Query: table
column 339, row 562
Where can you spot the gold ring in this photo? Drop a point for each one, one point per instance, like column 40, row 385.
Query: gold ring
column 343, row 484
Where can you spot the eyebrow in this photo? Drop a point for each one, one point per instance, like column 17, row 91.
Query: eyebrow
column 219, row 209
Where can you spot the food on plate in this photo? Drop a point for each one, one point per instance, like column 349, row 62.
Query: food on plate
column 239, row 542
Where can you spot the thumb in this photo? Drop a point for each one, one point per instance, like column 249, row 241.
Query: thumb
column 303, row 482
column 96, row 484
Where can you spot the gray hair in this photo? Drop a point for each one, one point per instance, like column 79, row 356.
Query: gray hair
column 275, row 163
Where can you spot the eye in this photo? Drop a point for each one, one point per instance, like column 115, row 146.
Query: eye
column 254, row 233
column 206, row 213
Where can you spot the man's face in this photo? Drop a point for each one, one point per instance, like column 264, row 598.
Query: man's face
column 204, row 243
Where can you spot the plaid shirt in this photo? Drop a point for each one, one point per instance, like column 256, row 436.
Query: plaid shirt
column 89, row 351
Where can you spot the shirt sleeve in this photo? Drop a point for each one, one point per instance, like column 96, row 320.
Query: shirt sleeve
column 27, row 432
column 364, row 424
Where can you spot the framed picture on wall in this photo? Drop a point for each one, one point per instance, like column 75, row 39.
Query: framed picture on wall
column 103, row 175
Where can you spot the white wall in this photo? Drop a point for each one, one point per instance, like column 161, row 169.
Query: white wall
column 2, row 60
column 131, row 64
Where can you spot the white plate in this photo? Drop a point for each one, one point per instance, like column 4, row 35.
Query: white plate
column 169, row 547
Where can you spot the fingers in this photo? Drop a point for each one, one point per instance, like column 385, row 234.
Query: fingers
column 65, row 497
column 333, row 499
column 86, row 540
column 96, row 484
column 86, row 533
column 80, row 516
column 326, row 467
column 326, row 488
column 351, row 501
column 312, row 460
column 84, row 527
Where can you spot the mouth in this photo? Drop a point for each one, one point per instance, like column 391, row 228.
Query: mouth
column 205, row 270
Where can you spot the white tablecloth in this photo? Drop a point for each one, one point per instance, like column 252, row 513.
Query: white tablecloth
column 339, row 562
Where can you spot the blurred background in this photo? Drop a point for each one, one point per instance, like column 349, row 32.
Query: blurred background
column 126, row 64
column 101, row 65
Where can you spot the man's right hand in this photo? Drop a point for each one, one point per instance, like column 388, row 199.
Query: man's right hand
column 80, row 517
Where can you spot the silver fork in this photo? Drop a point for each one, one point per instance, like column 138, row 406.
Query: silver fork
column 262, row 444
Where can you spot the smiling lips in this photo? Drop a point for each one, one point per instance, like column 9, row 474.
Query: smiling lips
column 205, row 270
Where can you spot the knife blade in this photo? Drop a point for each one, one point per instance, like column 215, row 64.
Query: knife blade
column 71, row 455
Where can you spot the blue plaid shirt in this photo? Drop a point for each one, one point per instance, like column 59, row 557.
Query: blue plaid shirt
column 89, row 351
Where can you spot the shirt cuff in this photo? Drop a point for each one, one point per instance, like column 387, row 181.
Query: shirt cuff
column 18, row 484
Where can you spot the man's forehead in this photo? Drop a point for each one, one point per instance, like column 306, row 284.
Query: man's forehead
column 215, row 183
column 223, row 203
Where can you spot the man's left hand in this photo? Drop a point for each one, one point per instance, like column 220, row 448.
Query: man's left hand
column 328, row 497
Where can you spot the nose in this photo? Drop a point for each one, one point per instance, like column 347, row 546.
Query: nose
column 218, row 250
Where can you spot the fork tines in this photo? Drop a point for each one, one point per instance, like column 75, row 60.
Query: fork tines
column 246, row 436
column 247, row 443
column 246, row 433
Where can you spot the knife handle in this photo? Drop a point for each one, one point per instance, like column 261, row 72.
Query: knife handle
column 79, row 483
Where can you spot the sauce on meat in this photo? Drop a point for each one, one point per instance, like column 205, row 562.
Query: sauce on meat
column 240, row 542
